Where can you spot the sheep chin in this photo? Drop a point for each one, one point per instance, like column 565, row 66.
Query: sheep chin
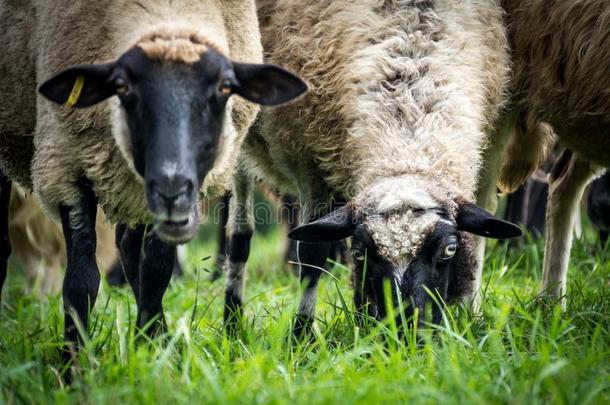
column 180, row 232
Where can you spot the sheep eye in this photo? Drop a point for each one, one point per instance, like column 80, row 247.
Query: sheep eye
column 225, row 88
column 450, row 251
column 121, row 86
column 358, row 255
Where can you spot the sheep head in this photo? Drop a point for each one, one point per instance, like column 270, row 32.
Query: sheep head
column 416, row 235
column 173, row 91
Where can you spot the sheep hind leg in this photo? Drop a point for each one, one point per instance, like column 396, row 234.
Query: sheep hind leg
column 82, row 278
column 240, row 228
column 568, row 180
column 5, row 242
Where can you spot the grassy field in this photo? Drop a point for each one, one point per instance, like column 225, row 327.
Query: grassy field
column 517, row 352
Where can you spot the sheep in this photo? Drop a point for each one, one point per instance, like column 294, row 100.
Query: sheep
column 169, row 128
column 560, row 53
column 401, row 96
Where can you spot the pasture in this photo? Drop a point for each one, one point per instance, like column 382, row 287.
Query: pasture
column 521, row 350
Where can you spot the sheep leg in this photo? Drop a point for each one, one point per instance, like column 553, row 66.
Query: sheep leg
column 5, row 242
column 130, row 248
column 155, row 273
column 568, row 180
column 290, row 220
column 221, row 254
column 82, row 277
column 311, row 258
column 241, row 228
column 116, row 275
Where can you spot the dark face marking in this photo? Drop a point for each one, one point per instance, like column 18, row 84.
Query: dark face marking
column 174, row 112
column 429, row 272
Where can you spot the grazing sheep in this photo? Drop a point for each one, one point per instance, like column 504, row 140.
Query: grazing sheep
column 561, row 58
column 402, row 94
column 143, row 156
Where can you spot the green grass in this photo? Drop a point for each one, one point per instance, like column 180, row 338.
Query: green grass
column 517, row 352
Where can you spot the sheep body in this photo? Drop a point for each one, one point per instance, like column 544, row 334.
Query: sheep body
column 388, row 79
column 69, row 144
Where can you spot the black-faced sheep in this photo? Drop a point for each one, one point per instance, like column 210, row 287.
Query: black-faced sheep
column 561, row 59
column 402, row 94
column 172, row 130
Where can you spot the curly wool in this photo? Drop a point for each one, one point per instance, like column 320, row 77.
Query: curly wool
column 396, row 87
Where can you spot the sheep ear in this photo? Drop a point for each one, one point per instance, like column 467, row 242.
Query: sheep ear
column 267, row 84
column 335, row 226
column 474, row 219
column 80, row 86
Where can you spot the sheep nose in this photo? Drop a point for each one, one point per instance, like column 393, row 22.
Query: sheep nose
column 173, row 193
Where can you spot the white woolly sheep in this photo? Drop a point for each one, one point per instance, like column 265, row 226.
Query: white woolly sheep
column 402, row 94
column 144, row 155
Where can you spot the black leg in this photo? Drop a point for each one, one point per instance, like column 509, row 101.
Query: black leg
column 5, row 242
column 148, row 263
column 130, row 247
column 156, row 268
column 239, row 250
column 312, row 257
column 82, row 277
column 221, row 254
column 240, row 229
column 116, row 274
column 290, row 217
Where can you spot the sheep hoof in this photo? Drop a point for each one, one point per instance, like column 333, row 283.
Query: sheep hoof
column 303, row 327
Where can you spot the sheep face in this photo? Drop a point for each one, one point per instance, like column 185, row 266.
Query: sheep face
column 413, row 235
column 172, row 114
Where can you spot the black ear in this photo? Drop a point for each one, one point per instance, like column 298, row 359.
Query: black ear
column 474, row 219
column 335, row 226
column 267, row 84
column 80, row 86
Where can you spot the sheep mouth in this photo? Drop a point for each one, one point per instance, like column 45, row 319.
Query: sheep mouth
column 178, row 231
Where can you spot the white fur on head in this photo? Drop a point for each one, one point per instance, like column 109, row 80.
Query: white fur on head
column 399, row 214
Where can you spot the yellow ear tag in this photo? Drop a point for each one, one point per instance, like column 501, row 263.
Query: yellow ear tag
column 76, row 91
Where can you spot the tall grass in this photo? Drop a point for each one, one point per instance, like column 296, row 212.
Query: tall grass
column 521, row 350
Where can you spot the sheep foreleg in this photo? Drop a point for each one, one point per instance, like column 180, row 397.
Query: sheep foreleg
column 82, row 277
column 240, row 228
column 568, row 179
